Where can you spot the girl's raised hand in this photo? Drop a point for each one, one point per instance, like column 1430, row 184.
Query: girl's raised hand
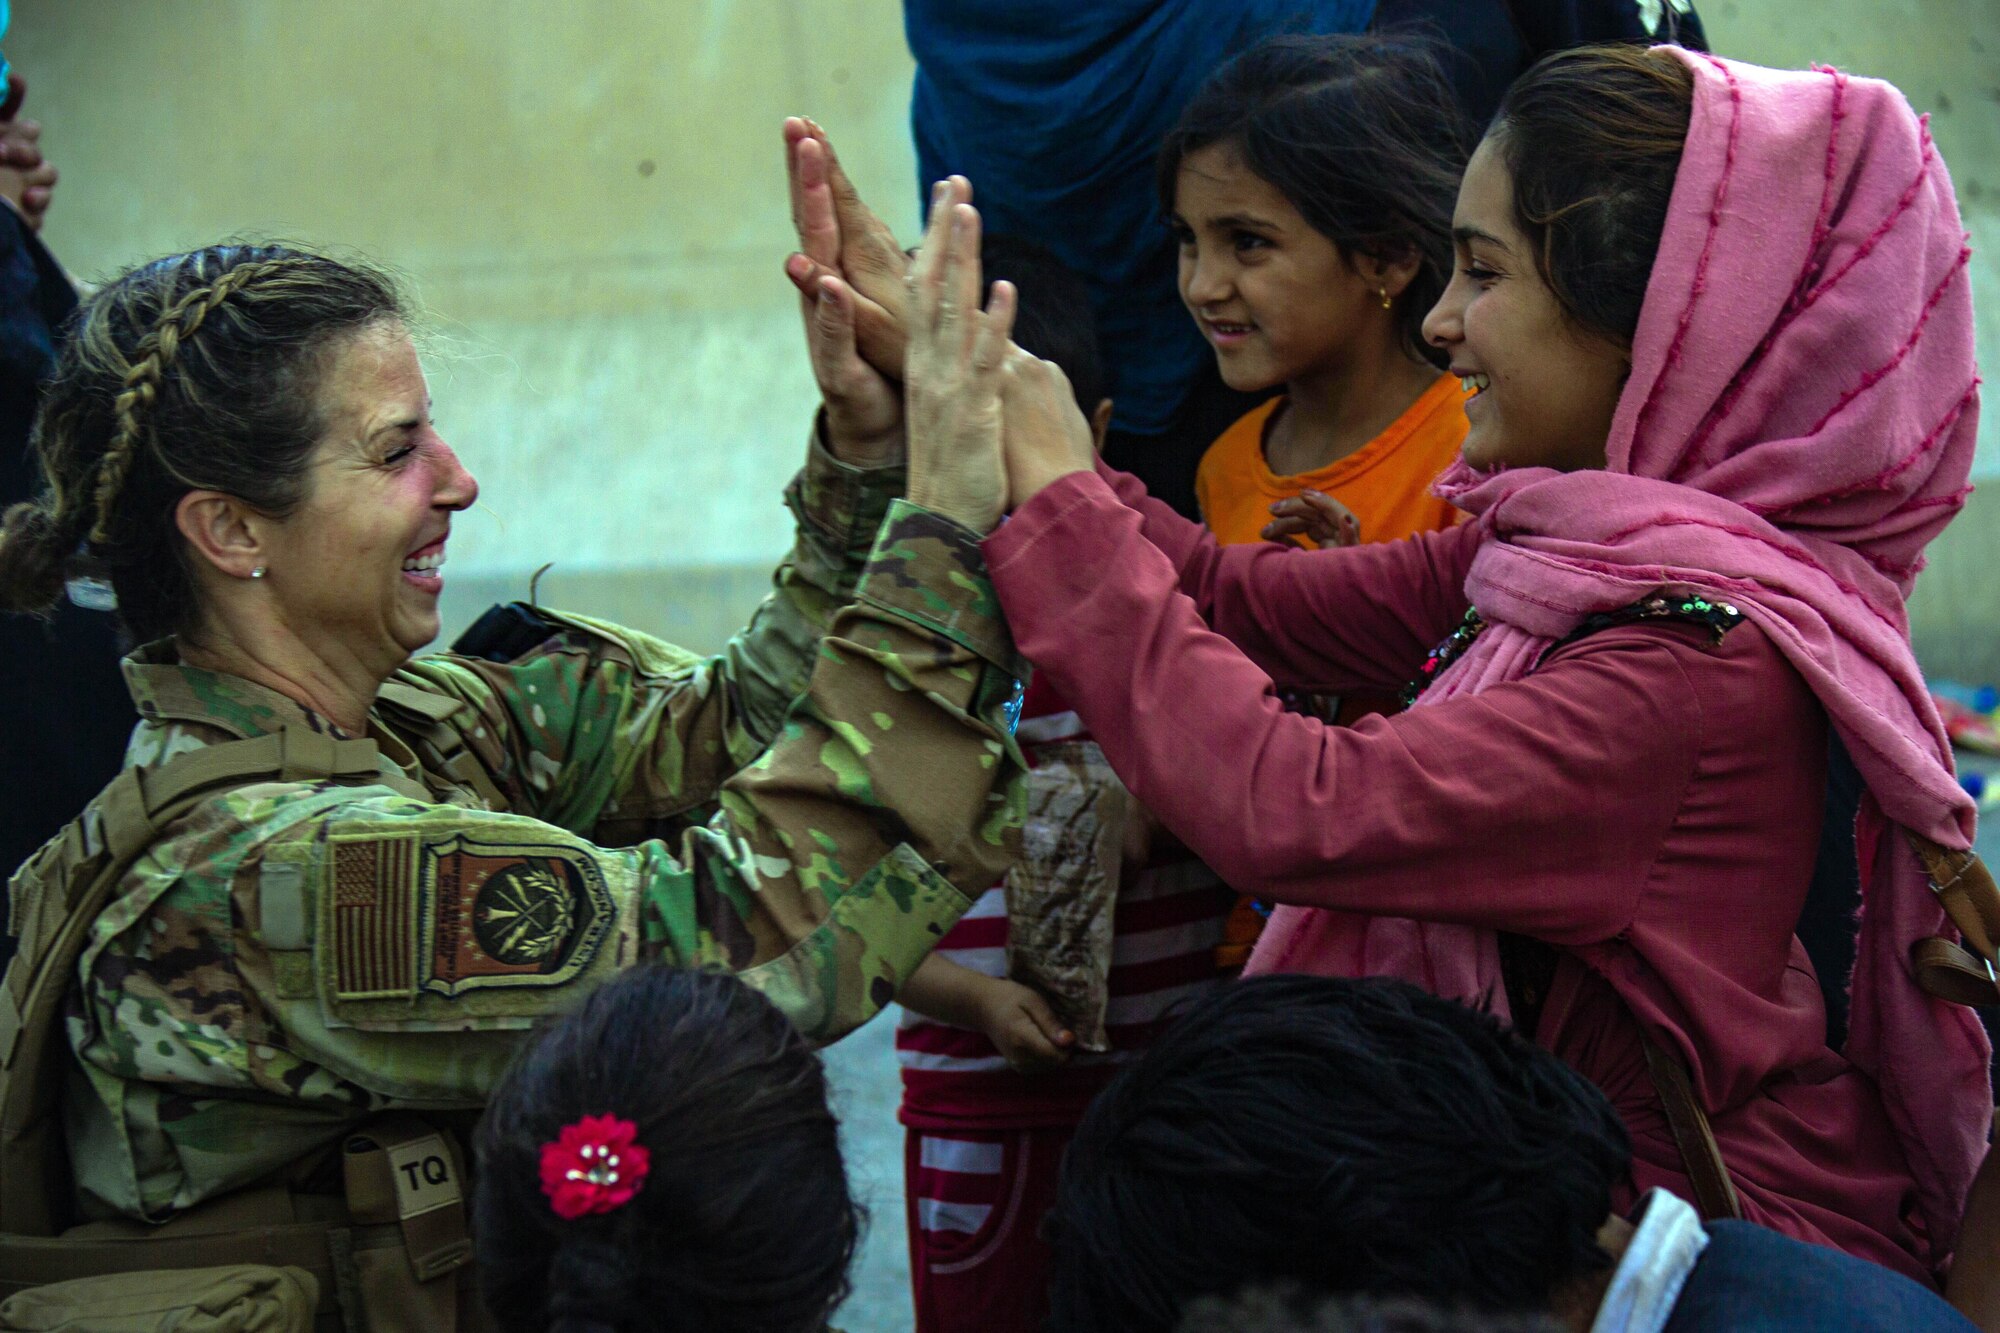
column 952, row 376
column 1046, row 434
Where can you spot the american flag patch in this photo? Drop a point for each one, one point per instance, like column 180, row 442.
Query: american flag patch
column 373, row 893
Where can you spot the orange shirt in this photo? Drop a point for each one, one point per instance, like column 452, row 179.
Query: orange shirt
column 1386, row 482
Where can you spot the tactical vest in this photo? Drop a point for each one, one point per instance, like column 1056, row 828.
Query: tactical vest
column 390, row 1253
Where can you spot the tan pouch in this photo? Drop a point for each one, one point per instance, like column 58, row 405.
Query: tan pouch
column 238, row 1298
column 1061, row 893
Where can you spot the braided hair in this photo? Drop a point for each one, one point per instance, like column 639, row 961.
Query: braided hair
column 197, row 371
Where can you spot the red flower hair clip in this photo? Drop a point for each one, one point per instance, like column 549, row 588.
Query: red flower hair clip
column 595, row 1165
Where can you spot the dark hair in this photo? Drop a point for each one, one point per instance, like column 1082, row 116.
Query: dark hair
column 198, row 371
column 744, row 1221
column 1054, row 319
column 1360, row 132
column 1352, row 1136
column 1289, row 1308
column 1592, row 137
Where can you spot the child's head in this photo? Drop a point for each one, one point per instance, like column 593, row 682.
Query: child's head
column 1054, row 319
column 742, row 1219
column 1354, row 1136
column 1310, row 182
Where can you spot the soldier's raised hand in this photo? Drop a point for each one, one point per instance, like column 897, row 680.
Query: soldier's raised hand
column 952, row 374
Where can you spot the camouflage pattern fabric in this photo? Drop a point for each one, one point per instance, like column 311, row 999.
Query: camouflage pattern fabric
column 810, row 808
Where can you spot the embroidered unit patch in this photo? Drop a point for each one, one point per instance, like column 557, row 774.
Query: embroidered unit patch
column 508, row 914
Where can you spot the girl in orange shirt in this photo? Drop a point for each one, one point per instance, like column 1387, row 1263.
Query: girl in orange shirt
column 1311, row 184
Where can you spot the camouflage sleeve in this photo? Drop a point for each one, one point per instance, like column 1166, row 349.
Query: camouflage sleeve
column 612, row 733
column 838, row 508
column 349, row 949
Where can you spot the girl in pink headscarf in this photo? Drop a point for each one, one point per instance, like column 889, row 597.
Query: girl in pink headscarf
column 1715, row 325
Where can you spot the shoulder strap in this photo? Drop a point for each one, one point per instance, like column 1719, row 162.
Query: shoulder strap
column 427, row 714
column 1714, row 1192
column 60, row 893
column 1952, row 972
column 1960, row 973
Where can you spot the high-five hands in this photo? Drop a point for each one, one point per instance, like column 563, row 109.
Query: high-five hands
column 846, row 241
column 954, row 371
column 921, row 324
column 864, row 410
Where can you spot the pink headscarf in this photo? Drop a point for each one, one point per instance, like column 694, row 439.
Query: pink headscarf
column 1797, row 427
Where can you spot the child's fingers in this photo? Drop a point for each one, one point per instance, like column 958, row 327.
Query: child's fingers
column 1282, row 530
column 1337, row 524
column 1046, row 1023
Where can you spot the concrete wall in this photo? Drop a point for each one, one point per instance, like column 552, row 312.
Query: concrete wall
column 587, row 198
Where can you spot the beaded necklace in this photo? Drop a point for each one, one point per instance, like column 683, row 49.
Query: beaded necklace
column 1718, row 617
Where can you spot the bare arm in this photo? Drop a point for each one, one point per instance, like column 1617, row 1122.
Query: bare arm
column 1015, row 1018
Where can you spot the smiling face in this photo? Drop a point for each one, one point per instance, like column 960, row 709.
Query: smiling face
column 1546, row 390
column 354, row 569
column 1274, row 297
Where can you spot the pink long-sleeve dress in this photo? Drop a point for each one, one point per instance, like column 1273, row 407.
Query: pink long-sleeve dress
column 1648, row 800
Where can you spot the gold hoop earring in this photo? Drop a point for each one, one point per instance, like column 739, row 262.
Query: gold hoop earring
column 1386, row 302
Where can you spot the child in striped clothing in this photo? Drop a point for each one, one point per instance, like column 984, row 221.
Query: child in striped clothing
column 994, row 1079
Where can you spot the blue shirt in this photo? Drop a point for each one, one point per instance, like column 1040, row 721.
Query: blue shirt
column 1751, row 1280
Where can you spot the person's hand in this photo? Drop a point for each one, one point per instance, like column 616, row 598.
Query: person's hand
column 1044, row 432
column 864, row 411
column 850, row 242
column 1316, row 515
column 953, row 376
column 27, row 181
column 1017, row 1020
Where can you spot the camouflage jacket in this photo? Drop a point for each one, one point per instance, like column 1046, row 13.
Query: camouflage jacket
column 809, row 808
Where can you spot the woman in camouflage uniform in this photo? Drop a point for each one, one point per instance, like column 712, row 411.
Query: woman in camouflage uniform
column 240, row 440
